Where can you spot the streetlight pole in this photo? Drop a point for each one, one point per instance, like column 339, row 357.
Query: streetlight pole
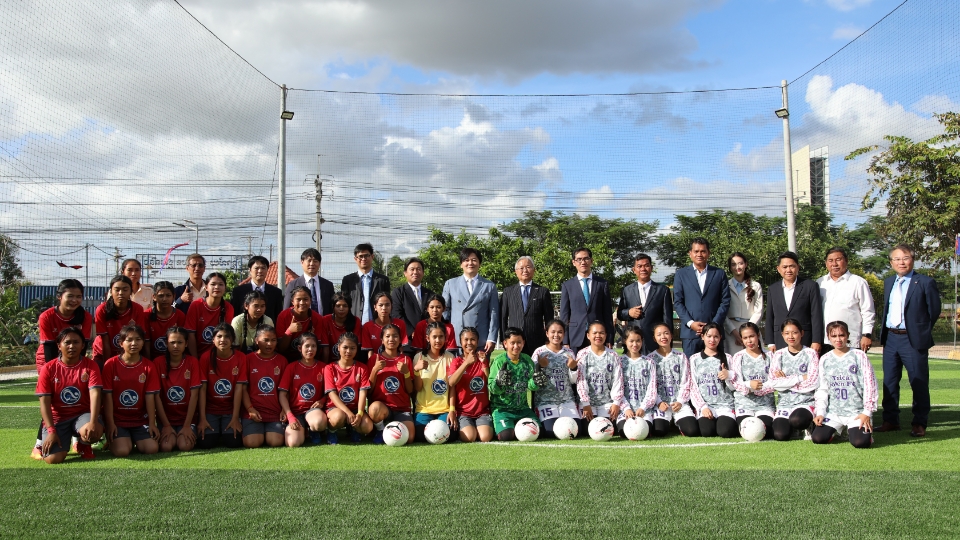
column 784, row 114
column 195, row 227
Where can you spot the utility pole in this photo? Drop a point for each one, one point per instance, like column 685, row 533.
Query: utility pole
column 116, row 259
column 86, row 267
column 784, row 114
column 249, row 245
column 318, row 196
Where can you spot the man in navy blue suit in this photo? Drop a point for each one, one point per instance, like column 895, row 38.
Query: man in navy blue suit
column 912, row 306
column 700, row 296
column 585, row 298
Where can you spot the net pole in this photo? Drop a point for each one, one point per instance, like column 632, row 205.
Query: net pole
column 788, row 172
column 282, row 203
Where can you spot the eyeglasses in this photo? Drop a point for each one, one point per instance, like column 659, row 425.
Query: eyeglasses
column 901, row 259
column 582, row 259
column 363, row 256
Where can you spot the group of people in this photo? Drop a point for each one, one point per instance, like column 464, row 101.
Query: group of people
column 179, row 367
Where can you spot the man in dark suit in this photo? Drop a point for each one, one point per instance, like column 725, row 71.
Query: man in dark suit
column 364, row 284
column 192, row 289
column 700, row 296
column 526, row 306
column 912, row 306
column 793, row 298
column 585, row 298
column 321, row 290
column 258, row 266
column 645, row 304
column 410, row 299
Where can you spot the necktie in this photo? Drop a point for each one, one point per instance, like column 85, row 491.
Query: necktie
column 416, row 291
column 365, row 281
column 896, row 303
column 470, row 287
column 586, row 291
column 314, row 301
column 526, row 296
column 643, row 296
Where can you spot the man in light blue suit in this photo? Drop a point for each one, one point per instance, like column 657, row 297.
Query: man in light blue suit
column 472, row 300
column 700, row 296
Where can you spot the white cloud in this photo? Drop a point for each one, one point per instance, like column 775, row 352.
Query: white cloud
column 847, row 32
column 935, row 104
column 848, row 5
column 758, row 159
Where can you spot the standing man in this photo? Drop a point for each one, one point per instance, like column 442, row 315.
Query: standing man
column 258, row 266
column 361, row 286
column 472, row 301
column 846, row 297
column 585, row 298
column 793, row 298
column 321, row 290
column 526, row 306
column 645, row 303
column 410, row 300
column 192, row 289
column 700, row 296
column 912, row 306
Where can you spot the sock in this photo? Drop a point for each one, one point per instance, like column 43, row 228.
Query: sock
column 379, row 426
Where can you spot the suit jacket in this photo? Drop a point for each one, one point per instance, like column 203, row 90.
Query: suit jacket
column 274, row 299
column 921, row 309
column 407, row 308
column 805, row 307
column 177, row 292
column 533, row 321
column 480, row 310
column 326, row 294
column 351, row 286
column 711, row 305
column 577, row 314
column 659, row 309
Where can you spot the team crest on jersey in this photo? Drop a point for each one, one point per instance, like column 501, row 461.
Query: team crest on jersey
column 207, row 334
column 356, row 378
column 186, row 374
column 766, row 369
column 222, row 387
column 265, row 385
column 676, row 368
column 476, row 384
column 160, row 345
column 347, row 394
column 439, row 387
column 645, row 372
column 803, row 368
column 175, row 394
column 236, row 370
column 142, row 378
column 85, row 376
column 70, row 395
column 307, row 391
column 391, row 384
column 319, row 376
column 853, row 369
column 610, row 368
column 276, row 370
column 129, row 398
column 116, row 341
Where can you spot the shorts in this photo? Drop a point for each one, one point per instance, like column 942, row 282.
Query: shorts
column 718, row 412
column 785, row 413
column 218, row 424
column 564, row 410
column 603, row 410
column 68, row 429
column 508, row 419
column 668, row 415
column 839, row 422
column 757, row 412
column 178, row 429
column 252, row 427
column 471, row 421
column 135, row 433
column 405, row 416
column 423, row 419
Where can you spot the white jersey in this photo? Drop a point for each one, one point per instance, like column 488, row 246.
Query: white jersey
column 639, row 383
column 673, row 376
column 794, row 390
column 562, row 379
column 706, row 389
column 599, row 379
column 746, row 368
column 847, row 387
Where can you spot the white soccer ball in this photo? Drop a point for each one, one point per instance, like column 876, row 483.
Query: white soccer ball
column 752, row 429
column 566, row 428
column 600, row 429
column 636, row 429
column 527, row 430
column 395, row 434
column 436, row 432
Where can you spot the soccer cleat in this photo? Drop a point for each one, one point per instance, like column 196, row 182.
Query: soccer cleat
column 808, row 434
column 84, row 449
column 73, row 444
column 37, row 453
column 315, row 437
column 378, row 438
column 332, row 437
column 355, row 436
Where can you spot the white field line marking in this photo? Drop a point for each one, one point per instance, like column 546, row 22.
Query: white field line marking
column 619, row 447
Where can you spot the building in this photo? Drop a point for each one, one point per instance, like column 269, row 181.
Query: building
column 811, row 177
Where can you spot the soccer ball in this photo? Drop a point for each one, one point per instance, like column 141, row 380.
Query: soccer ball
column 527, row 430
column 395, row 434
column 436, row 432
column 752, row 429
column 566, row 428
column 600, row 429
column 636, row 429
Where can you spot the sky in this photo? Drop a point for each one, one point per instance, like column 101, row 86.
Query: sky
column 117, row 121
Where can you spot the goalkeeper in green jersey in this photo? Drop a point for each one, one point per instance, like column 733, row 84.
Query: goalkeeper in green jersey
column 511, row 376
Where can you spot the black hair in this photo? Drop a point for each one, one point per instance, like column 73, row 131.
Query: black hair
column 788, row 255
column 311, row 253
column 431, row 326
column 838, row 324
column 79, row 314
column 228, row 330
column 261, row 329
column 258, row 259
column 793, row 322
column 110, row 312
column 350, row 323
column 578, row 249
column 470, row 330
column 223, row 302
column 512, row 331
column 701, row 241
column 247, row 300
column 174, row 330
column 376, row 298
column 361, row 248
column 438, row 298
column 298, row 342
column 70, row 330
column 299, row 289
column 746, row 275
column 123, row 265
column 713, row 325
column 468, row 251
column 133, row 327
column 631, row 329
column 412, row 260
column 159, row 286
column 665, row 325
column 348, row 336
column 642, row 257
column 557, row 321
column 752, row 326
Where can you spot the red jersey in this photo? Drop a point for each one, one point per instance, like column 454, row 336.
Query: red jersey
column 389, row 386
column 304, row 386
column 332, row 331
column 420, row 336
column 347, row 383
column 130, row 388
column 201, row 319
column 51, row 323
column 313, row 323
column 175, row 387
column 68, row 387
column 157, row 329
column 110, row 329
column 370, row 335
column 263, row 376
column 471, row 391
column 222, row 383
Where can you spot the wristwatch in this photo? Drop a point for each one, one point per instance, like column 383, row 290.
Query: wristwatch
column 868, row 336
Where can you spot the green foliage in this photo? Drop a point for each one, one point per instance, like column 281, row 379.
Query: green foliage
column 921, row 183
column 16, row 324
column 233, row 279
column 10, row 271
column 394, row 271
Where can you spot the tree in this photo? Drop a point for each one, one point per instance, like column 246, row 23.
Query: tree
column 10, row 271
column 921, row 182
column 394, row 271
column 868, row 238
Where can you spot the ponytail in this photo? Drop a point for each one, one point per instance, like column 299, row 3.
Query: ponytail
column 111, row 311
column 159, row 287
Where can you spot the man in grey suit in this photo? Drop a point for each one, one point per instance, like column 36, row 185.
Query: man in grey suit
column 472, row 300
column 645, row 304
column 526, row 306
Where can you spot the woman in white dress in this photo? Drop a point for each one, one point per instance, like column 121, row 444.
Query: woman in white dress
column 746, row 302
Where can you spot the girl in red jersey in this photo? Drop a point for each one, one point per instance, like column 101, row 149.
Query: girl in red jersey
column 205, row 314
column 69, row 391
column 295, row 320
column 301, row 394
column 390, row 382
column 130, row 382
column 161, row 317
column 220, row 399
column 370, row 333
column 262, row 410
column 180, row 381
column 436, row 305
column 468, row 376
column 335, row 325
column 112, row 315
column 245, row 324
column 346, row 383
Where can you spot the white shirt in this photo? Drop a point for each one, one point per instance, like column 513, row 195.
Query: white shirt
column 644, row 290
column 788, row 293
column 261, row 287
column 417, row 292
column 848, row 299
column 144, row 296
column 701, row 277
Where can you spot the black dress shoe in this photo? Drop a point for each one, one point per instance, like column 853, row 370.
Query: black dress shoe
column 887, row 426
column 918, row 431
